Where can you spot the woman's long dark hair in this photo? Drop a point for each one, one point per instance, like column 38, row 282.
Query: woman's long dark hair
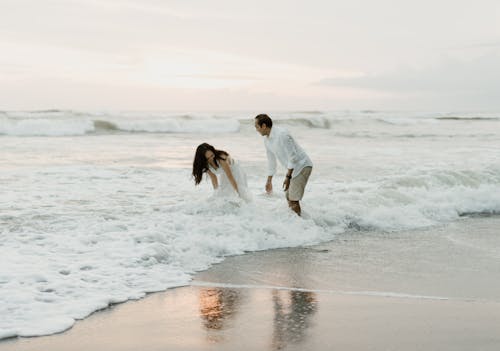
column 200, row 163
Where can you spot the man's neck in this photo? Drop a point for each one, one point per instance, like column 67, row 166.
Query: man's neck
column 269, row 132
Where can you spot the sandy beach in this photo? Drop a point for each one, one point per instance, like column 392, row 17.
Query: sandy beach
column 154, row 156
column 346, row 294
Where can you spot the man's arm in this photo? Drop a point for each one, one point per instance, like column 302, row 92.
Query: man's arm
column 271, row 165
column 291, row 151
column 269, row 185
column 288, row 177
column 292, row 159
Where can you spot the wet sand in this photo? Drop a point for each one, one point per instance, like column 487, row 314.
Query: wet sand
column 422, row 290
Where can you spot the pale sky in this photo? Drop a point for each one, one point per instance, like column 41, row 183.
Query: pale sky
column 250, row 55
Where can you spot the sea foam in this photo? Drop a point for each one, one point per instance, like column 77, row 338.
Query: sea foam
column 106, row 236
column 68, row 123
column 112, row 215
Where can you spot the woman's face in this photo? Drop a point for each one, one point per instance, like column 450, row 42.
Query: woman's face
column 209, row 155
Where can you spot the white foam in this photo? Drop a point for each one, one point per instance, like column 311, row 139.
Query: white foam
column 85, row 222
column 413, row 200
column 178, row 125
column 45, row 126
column 73, row 123
column 80, row 248
column 92, row 245
column 374, row 123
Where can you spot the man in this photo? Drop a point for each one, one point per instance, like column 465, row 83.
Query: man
column 280, row 145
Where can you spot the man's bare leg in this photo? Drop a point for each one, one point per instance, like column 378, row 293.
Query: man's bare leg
column 295, row 206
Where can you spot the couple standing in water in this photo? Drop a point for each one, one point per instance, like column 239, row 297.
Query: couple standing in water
column 279, row 144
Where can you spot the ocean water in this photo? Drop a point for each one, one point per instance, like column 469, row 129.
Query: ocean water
column 100, row 207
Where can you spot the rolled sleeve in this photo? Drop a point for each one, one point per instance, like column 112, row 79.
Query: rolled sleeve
column 271, row 162
column 292, row 153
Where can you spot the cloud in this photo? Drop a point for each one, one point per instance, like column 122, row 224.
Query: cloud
column 487, row 45
column 472, row 84
column 218, row 76
column 279, row 46
column 450, row 75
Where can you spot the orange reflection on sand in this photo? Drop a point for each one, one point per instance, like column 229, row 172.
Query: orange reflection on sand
column 216, row 307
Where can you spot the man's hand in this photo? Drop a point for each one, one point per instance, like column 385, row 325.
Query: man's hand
column 286, row 184
column 269, row 186
column 288, row 177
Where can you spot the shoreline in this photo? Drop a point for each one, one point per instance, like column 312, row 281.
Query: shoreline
column 371, row 291
column 221, row 318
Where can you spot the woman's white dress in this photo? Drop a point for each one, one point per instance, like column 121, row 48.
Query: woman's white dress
column 225, row 188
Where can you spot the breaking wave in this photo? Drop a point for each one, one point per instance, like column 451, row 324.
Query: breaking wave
column 55, row 122
column 68, row 123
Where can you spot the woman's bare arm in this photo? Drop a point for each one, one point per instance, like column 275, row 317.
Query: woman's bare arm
column 213, row 178
column 225, row 166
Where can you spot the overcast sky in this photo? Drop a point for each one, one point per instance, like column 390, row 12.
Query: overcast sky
column 240, row 55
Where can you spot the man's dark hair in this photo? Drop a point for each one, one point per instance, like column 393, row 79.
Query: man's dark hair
column 263, row 118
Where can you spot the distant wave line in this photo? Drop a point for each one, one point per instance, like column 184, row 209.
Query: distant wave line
column 458, row 118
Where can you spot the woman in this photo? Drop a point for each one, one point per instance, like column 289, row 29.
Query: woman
column 218, row 163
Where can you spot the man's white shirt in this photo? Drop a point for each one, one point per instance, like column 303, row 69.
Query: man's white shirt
column 281, row 145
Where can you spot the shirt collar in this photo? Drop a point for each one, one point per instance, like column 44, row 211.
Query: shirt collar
column 272, row 133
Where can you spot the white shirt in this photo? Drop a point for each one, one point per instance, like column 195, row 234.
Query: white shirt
column 281, row 145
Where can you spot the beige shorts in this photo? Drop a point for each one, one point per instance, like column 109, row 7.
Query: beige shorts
column 297, row 185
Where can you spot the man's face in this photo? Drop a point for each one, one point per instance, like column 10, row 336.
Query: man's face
column 262, row 130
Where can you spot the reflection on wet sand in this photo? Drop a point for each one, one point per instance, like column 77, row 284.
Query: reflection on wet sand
column 284, row 316
column 217, row 305
column 292, row 312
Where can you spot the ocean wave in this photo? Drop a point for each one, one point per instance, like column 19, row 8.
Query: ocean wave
column 104, row 126
column 402, row 121
column 487, row 213
column 71, row 123
column 178, row 125
column 45, row 127
column 67, row 123
column 48, row 111
column 122, row 247
column 54, row 122
column 412, row 200
column 311, row 122
column 129, row 239
column 465, row 118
